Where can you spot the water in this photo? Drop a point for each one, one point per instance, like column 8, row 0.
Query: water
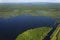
column 10, row 28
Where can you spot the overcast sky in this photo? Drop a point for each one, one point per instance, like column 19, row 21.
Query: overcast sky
column 58, row 1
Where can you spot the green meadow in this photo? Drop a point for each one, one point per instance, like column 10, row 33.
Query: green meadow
column 34, row 34
column 59, row 36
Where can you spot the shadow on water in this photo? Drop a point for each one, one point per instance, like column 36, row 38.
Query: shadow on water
column 12, row 27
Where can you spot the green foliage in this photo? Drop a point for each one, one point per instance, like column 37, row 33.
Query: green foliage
column 26, row 8
column 34, row 34
column 59, row 36
column 55, row 33
column 9, row 10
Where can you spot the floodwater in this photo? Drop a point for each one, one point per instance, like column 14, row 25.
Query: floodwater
column 10, row 28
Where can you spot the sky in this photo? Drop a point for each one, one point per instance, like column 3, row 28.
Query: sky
column 19, row 1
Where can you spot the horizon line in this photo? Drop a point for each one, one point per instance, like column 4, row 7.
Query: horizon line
column 29, row 2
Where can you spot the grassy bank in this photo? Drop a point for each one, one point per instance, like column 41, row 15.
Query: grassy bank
column 55, row 33
column 58, row 36
column 34, row 34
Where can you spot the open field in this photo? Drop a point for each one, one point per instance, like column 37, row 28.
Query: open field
column 34, row 34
